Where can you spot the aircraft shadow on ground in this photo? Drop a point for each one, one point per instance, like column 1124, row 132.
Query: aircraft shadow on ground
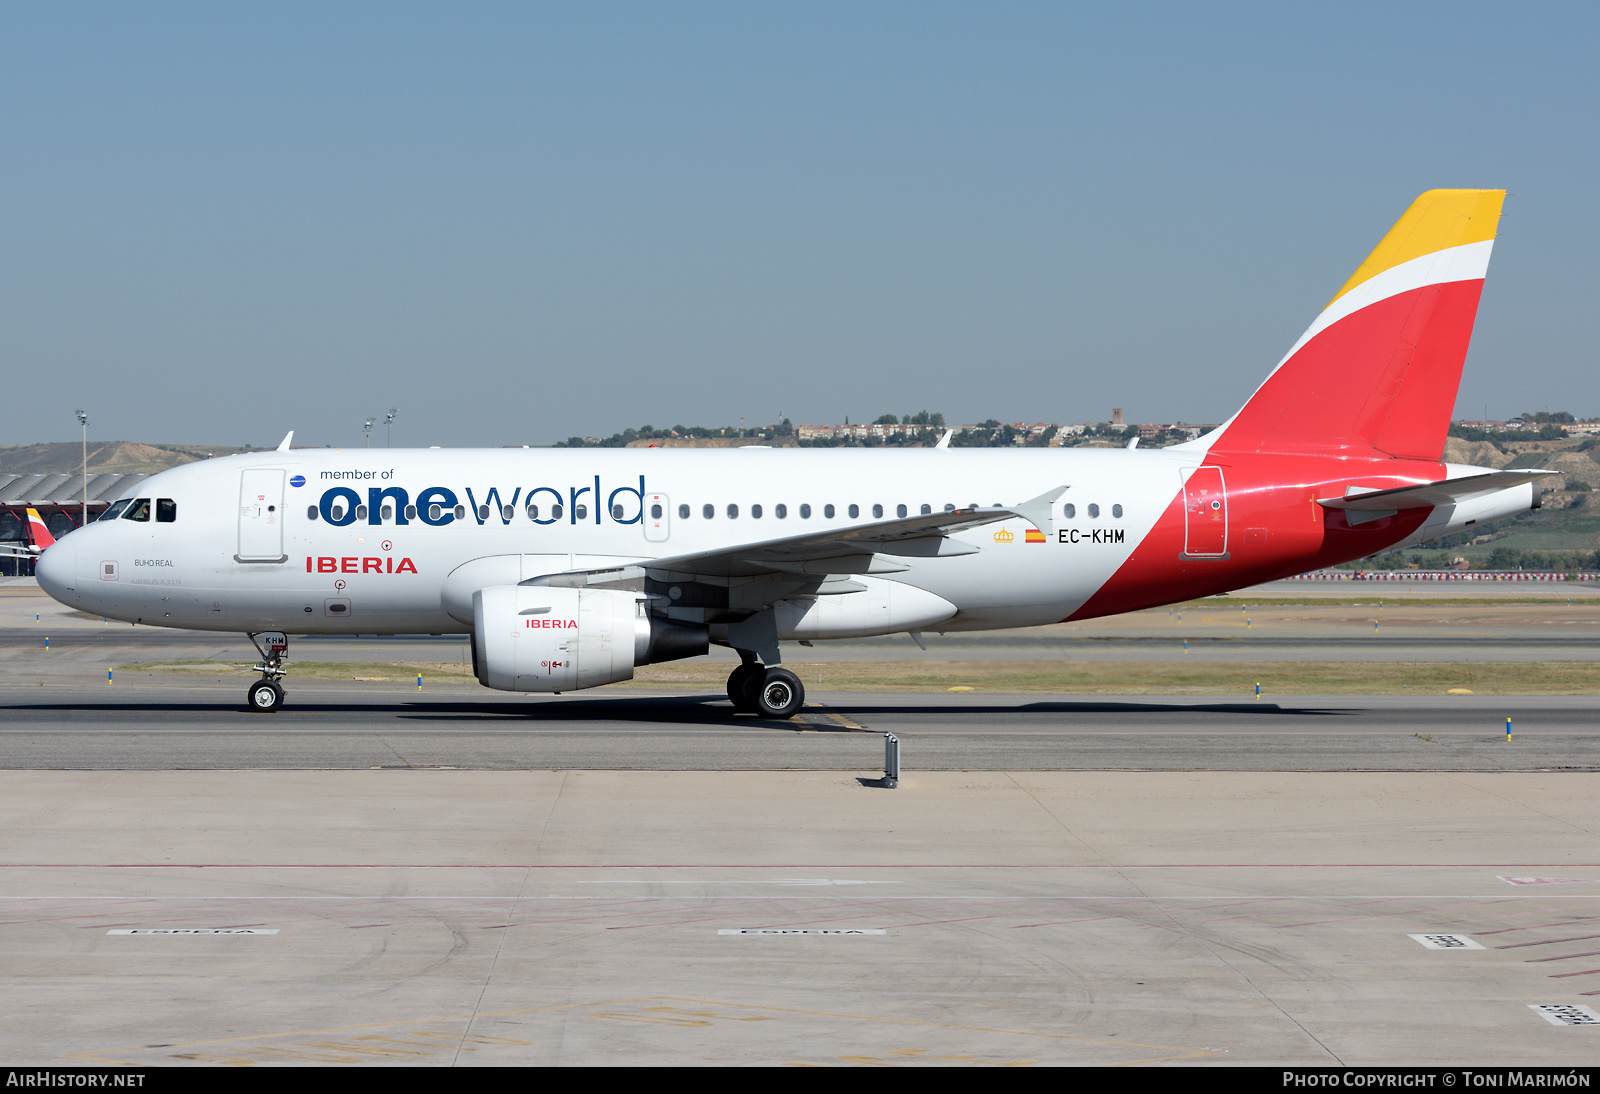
column 700, row 710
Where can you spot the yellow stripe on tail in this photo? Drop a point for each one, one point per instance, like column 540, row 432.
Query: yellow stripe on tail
column 1435, row 221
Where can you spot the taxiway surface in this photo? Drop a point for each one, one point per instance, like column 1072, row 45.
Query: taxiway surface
column 375, row 875
column 330, row 726
column 453, row 917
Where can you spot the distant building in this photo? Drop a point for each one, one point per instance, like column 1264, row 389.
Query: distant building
column 59, row 500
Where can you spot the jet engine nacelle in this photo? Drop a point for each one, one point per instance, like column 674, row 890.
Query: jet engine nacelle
column 538, row 638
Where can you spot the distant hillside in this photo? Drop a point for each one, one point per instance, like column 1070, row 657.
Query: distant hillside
column 124, row 456
column 715, row 442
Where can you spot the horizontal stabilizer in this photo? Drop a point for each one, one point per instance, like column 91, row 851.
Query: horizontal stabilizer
column 1434, row 493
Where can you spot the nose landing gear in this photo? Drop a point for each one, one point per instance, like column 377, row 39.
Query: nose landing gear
column 266, row 694
column 753, row 688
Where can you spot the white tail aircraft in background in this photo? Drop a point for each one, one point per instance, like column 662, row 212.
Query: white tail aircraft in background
column 571, row 567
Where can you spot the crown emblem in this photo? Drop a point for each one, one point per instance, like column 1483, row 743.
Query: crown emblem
column 1003, row 536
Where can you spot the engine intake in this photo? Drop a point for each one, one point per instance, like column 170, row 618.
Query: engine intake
column 543, row 638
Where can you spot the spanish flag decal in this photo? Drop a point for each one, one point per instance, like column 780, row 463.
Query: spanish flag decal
column 1035, row 536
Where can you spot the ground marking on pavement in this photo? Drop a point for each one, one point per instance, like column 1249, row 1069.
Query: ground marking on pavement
column 1446, row 941
column 358, row 1044
column 1566, row 1014
column 837, row 719
column 195, row 930
column 1548, row 880
column 801, row 930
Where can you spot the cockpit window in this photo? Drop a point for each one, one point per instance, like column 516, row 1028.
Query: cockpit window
column 116, row 509
column 139, row 510
column 166, row 510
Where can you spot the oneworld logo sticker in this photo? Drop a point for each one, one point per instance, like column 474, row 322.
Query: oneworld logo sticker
column 298, row 481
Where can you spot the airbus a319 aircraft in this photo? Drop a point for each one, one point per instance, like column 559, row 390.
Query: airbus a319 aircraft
column 571, row 567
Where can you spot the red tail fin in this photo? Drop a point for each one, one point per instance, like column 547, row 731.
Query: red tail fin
column 1377, row 373
column 38, row 534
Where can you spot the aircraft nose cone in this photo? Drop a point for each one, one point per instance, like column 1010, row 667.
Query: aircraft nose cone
column 57, row 570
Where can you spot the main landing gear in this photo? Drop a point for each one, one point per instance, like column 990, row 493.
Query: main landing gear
column 266, row 694
column 753, row 688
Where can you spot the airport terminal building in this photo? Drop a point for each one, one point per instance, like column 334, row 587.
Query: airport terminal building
column 60, row 501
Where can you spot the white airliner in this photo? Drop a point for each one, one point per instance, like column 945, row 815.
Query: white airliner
column 571, row 567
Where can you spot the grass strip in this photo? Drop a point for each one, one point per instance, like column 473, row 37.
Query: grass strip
column 1044, row 677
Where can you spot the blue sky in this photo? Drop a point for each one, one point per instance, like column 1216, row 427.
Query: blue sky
column 519, row 222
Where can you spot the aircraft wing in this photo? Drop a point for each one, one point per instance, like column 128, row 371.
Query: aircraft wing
column 858, row 549
column 1433, row 493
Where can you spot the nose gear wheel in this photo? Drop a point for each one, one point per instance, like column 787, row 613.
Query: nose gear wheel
column 265, row 696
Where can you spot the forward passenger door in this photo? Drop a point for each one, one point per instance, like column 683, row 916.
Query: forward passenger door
column 261, row 516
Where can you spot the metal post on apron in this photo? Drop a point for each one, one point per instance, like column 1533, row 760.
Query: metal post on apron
column 891, row 761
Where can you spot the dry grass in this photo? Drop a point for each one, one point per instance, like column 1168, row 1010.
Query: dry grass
column 1045, row 677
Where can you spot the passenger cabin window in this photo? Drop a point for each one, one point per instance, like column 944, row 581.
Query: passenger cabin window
column 411, row 512
column 461, row 512
column 780, row 510
column 805, row 512
column 708, row 511
column 1116, row 511
column 139, row 511
column 1069, row 510
column 827, row 511
column 755, row 512
column 166, row 510
column 533, row 512
column 386, row 513
column 556, row 511
column 733, row 512
column 877, row 512
column 655, row 512
column 855, row 511
column 900, row 510
column 311, row 512
column 361, row 512
column 483, row 512
column 683, row 512
column 616, row 512
column 580, row 512
column 1094, row 510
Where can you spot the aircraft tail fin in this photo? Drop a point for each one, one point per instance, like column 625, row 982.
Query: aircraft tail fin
column 39, row 536
column 1377, row 373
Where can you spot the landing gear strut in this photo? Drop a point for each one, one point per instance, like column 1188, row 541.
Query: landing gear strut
column 266, row 694
column 753, row 688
